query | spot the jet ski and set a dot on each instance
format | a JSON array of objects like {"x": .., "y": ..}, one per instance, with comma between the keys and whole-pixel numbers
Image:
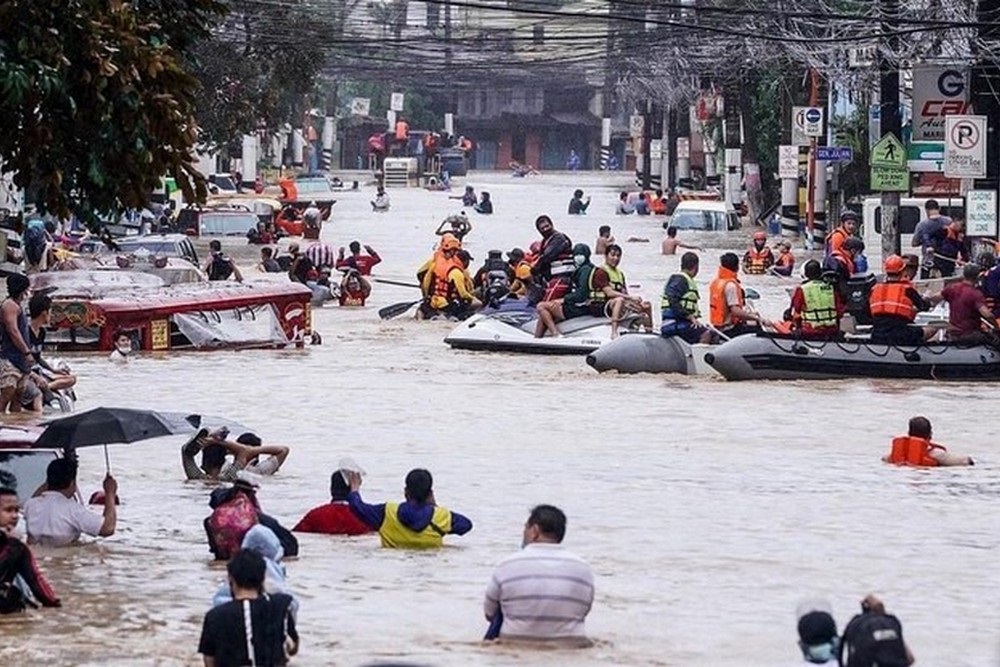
[
  {"x": 651, "y": 353},
  {"x": 514, "y": 331},
  {"x": 767, "y": 357}
]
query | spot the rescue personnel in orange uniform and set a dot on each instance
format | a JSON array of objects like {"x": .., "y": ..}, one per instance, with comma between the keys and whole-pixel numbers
[
  {"x": 848, "y": 228},
  {"x": 916, "y": 448},
  {"x": 758, "y": 258},
  {"x": 784, "y": 264},
  {"x": 894, "y": 305},
  {"x": 727, "y": 302}
]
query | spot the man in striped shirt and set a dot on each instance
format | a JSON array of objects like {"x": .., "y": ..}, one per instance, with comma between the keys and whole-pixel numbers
[{"x": 543, "y": 591}]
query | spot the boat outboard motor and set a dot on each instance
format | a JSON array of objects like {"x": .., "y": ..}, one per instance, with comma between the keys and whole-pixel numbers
[{"x": 857, "y": 292}]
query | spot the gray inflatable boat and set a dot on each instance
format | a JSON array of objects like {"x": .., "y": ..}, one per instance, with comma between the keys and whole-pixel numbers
[
  {"x": 763, "y": 357},
  {"x": 650, "y": 353}
]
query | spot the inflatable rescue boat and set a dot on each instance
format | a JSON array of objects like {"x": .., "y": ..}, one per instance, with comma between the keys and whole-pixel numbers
[
  {"x": 764, "y": 357},
  {"x": 651, "y": 353}
]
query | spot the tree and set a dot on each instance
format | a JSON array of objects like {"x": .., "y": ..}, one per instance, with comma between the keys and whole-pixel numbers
[{"x": 97, "y": 102}]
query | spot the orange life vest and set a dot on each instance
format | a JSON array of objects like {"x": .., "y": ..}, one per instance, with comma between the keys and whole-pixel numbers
[
  {"x": 845, "y": 260},
  {"x": 836, "y": 239},
  {"x": 758, "y": 261},
  {"x": 911, "y": 451},
  {"x": 785, "y": 259},
  {"x": 719, "y": 312},
  {"x": 891, "y": 299}
]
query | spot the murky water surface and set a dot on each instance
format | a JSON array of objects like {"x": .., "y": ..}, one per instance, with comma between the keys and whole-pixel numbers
[{"x": 707, "y": 509}]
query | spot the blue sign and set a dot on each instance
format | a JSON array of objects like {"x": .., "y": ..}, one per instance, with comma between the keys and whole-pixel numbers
[
  {"x": 834, "y": 153},
  {"x": 814, "y": 115}
]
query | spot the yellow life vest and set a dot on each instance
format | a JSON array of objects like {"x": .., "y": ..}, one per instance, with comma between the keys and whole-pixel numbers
[
  {"x": 396, "y": 535},
  {"x": 820, "y": 309},
  {"x": 689, "y": 301},
  {"x": 616, "y": 281}
]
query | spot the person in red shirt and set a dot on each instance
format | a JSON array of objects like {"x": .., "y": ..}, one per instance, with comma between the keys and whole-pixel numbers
[
  {"x": 363, "y": 263},
  {"x": 335, "y": 517},
  {"x": 967, "y": 310}
]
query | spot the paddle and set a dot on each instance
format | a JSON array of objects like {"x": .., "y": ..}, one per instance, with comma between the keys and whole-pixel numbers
[
  {"x": 385, "y": 281},
  {"x": 717, "y": 332},
  {"x": 396, "y": 309}
]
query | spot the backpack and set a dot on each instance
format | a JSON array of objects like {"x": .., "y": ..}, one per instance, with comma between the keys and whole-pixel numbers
[
  {"x": 34, "y": 242},
  {"x": 873, "y": 640},
  {"x": 229, "y": 522},
  {"x": 221, "y": 267}
]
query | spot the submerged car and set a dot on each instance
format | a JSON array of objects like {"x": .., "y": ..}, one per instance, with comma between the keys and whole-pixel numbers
[{"x": 706, "y": 216}]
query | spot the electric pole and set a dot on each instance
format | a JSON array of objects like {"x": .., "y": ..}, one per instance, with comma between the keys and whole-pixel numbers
[{"x": 890, "y": 123}]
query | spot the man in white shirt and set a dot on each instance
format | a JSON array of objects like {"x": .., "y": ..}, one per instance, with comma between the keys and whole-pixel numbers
[
  {"x": 543, "y": 591},
  {"x": 55, "y": 519}
]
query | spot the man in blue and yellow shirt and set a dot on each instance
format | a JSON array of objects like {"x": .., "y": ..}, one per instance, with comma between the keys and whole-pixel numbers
[{"x": 417, "y": 523}]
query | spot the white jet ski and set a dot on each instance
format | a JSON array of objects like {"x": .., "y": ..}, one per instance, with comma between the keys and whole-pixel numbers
[
  {"x": 651, "y": 353},
  {"x": 514, "y": 331}
]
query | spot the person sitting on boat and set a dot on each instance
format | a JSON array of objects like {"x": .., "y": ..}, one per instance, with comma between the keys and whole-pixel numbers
[
  {"x": 950, "y": 248},
  {"x": 848, "y": 228},
  {"x": 758, "y": 258},
  {"x": 381, "y": 202},
  {"x": 575, "y": 303},
  {"x": 839, "y": 266},
  {"x": 816, "y": 305},
  {"x": 493, "y": 279},
  {"x": 679, "y": 304},
  {"x": 268, "y": 264},
  {"x": 968, "y": 314},
  {"x": 363, "y": 263},
  {"x": 468, "y": 197},
  {"x": 246, "y": 451},
  {"x": 916, "y": 449},
  {"x": 354, "y": 288},
  {"x": 604, "y": 239},
  {"x": 45, "y": 377},
  {"x": 608, "y": 286},
  {"x": 456, "y": 225},
  {"x": 447, "y": 285},
  {"x": 417, "y": 523},
  {"x": 485, "y": 205},
  {"x": 989, "y": 282},
  {"x": 784, "y": 263},
  {"x": 220, "y": 266},
  {"x": 334, "y": 517},
  {"x": 894, "y": 305},
  {"x": 728, "y": 312},
  {"x": 577, "y": 206},
  {"x": 289, "y": 191},
  {"x": 554, "y": 265}
]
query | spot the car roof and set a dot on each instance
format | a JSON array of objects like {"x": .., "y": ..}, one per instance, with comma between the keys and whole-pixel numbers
[{"x": 703, "y": 205}]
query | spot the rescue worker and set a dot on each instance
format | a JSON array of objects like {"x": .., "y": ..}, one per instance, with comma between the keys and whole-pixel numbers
[
  {"x": 784, "y": 264},
  {"x": 554, "y": 265},
  {"x": 949, "y": 247},
  {"x": 447, "y": 285},
  {"x": 493, "y": 279},
  {"x": 575, "y": 303},
  {"x": 816, "y": 306},
  {"x": 894, "y": 305},
  {"x": 679, "y": 304},
  {"x": 727, "y": 302},
  {"x": 840, "y": 264},
  {"x": 609, "y": 288},
  {"x": 758, "y": 258},
  {"x": 848, "y": 228},
  {"x": 916, "y": 449}
]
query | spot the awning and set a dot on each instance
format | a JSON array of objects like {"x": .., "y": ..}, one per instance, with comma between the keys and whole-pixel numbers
[{"x": 575, "y": 118}]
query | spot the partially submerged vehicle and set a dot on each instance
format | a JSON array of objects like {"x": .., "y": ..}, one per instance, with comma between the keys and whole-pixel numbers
[
  {"x": 92, "y": 313},
  {"x": 703, "y": 215}
]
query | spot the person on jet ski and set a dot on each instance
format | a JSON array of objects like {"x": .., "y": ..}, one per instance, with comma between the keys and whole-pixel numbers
[
  {"x": 609, "y": 288},
  {"x": 576, "y": 302},
  {"x": 493, "y": 279},
  {"x": 554, "y": 265},
  {"x": 448, "y": 285}
]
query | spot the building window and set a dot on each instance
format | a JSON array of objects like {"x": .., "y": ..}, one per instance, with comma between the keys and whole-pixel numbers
[
  {"x": 483, "y": 101},
  {"x": 433, "y": 16},
  {"x": 538, "y": 34},
  {"x": 505, "y": 97}
]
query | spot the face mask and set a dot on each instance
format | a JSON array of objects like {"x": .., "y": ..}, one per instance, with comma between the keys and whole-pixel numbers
[
  {"x": 580, "y": 260},
  {"x": 820, "y": 653}
]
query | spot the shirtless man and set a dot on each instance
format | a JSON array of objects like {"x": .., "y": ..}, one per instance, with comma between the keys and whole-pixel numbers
[{"x": 671, "y": 244}]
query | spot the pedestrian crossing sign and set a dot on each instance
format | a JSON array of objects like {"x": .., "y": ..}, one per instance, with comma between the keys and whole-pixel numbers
[{"x": 888, "y": 152}]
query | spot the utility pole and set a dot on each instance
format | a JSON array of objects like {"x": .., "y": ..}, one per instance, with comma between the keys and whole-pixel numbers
[
  {"x": 984, "y": 81},
  {"x": 890, "y": 124},
  {"x": 647, "y": 135}
]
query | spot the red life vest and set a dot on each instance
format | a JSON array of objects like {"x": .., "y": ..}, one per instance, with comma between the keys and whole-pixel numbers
[
  {"x": 912, "y": 451},
  {"x": 891, "y": 299},
  {"x": 758, "y": 261},
  {"x": 845, "y": 260}
]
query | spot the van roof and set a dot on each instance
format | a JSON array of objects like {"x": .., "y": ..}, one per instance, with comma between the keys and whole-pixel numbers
[{"x": 704, "y": 205}]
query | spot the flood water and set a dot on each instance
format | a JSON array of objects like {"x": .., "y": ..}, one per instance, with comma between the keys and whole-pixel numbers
[{"x": 707, "y": 509}]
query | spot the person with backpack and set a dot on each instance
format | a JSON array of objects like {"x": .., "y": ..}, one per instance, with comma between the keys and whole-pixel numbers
[
  {"x": 219, "y": 266},
  {"x": 235, "y": 510},
  {"x": 873, "y": 638}
]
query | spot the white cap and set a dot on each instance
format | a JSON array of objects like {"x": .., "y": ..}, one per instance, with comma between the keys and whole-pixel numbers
[{"x": 348, "y": 464}]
